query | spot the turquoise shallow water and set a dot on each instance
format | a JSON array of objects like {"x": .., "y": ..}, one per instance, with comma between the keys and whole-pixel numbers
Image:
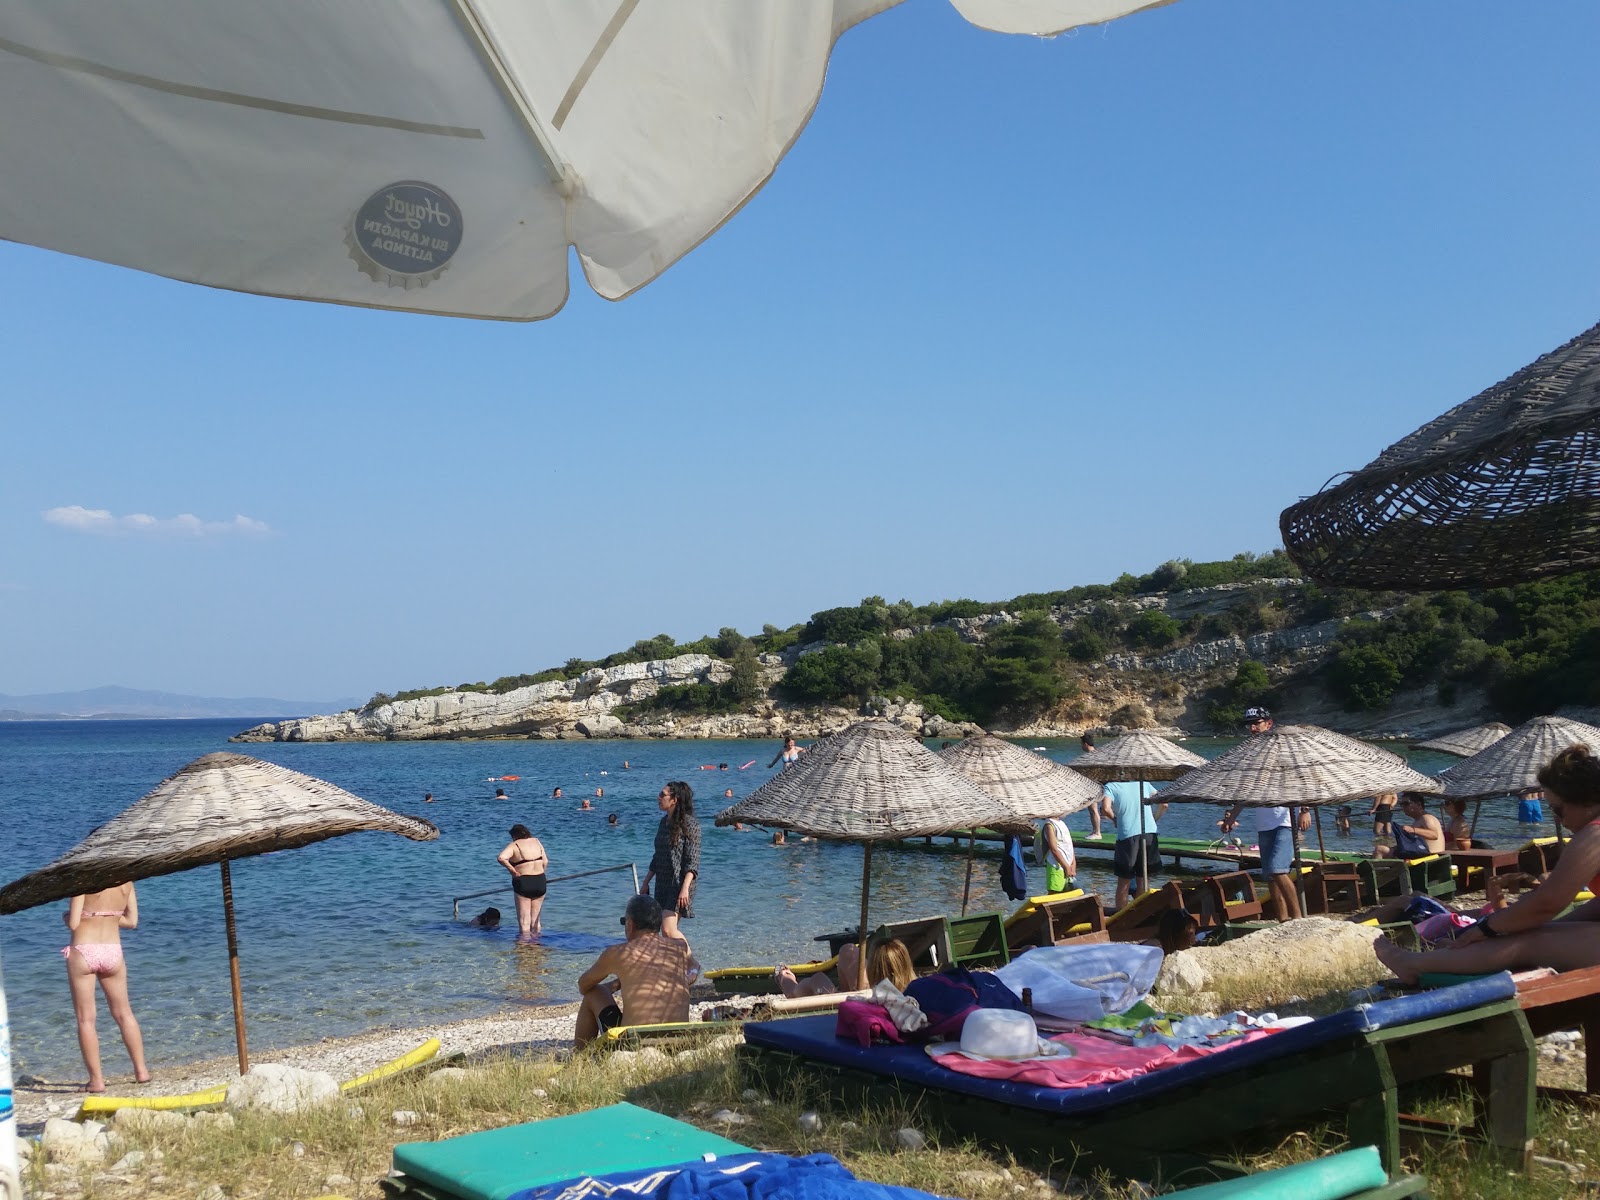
[{"x": 355, "y": 933}]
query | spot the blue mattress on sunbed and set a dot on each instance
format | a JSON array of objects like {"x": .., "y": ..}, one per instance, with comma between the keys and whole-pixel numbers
[{"x": 814, "y": 1038}]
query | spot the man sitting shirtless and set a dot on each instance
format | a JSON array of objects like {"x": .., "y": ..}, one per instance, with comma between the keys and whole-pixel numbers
[{"x": 650, "y": 972}]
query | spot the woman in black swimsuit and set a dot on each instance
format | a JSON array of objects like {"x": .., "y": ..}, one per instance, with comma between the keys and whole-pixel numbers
[{"x": 526, "y": 860}]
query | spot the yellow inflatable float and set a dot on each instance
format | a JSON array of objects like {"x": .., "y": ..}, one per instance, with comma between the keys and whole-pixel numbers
[{"x": 213, "y": 1097}]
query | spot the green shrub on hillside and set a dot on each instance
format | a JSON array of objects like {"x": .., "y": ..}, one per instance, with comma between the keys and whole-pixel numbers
[{"x": 1153, "y": 629}]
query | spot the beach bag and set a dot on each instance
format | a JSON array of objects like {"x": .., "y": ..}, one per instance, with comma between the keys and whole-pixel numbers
[{"x": 946, "y": 999}]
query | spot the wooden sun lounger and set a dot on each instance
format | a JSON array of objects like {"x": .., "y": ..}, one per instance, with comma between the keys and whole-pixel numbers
[
  {"x": 1214, "y": 900},
  {"x": 1056, "y": 922},
  {"x": 1570, "y": 1000},
  {"x": 1355, "y": 1063}
]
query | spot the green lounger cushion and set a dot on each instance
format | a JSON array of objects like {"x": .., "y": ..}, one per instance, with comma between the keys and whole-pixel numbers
[
  {"x": 499, "y": 1162},
  {"x": 1329, "y": 1178}
]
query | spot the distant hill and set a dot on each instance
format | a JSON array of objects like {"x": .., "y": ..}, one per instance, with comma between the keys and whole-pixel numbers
[{"x": 107, "y": 703}]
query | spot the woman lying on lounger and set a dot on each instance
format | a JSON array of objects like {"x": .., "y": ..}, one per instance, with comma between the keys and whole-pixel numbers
[
  {"x": 885, "y": 960},
  {"x": 1529, "y": 933}
]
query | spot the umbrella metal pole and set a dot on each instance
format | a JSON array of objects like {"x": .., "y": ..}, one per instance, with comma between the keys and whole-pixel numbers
[
  {"x": 866, "y": 885},
  {"x": 233, "y": 968},
  {"x": 966, "y": 888}
]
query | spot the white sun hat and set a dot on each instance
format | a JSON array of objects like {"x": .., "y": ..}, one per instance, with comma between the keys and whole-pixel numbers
[{"x": 1003, "y": 1033}]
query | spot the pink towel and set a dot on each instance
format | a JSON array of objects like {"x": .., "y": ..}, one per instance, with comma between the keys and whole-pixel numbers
[
  {"x": 1093, "y": 1060},
  {"x": 866, "y": 1022}
]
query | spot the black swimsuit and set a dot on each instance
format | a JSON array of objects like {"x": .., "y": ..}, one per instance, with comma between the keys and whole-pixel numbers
[{"x": 529, "y": 886}]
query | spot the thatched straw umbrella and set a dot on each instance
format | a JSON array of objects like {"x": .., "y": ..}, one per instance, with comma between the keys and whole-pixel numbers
[
  {"x": 1299, "y": 765},
  {"x": 1141, "y": 758},
  {"x": 869, "y": 783},
  {"x": 1464, "y": 743},
  {"x": 1032, "y": 786},
  {"x": 1499, "y": 490},
  {"x": 1514, "y": 762},
  {"x": 218, "y": 808}
]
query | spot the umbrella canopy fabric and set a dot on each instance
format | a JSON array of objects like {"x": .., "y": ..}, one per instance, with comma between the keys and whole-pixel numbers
[
  {"x": 1497, "y": 491},
  {"x": 1142, "y": 756},
  {"x": 1464, "y": 743},
  {"x": 870, "y": 782},
  {"x": 219, "y": 807},
  {"x": 1298, "y": 764},
  {"x": 433, "y": 156},
  {"x": 1514, "y": 762},
  {"x": 1032, "y": 786}
]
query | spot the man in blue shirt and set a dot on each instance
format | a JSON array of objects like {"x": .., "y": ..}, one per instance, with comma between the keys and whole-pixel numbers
[{"x": 1136, "y": 831}]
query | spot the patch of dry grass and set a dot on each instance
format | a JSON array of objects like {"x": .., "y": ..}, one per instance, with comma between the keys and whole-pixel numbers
[{"x": 302, "y": 1156}]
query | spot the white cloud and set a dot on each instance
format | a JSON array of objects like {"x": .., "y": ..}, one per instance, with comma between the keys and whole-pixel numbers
[{"x": 101, "y": 521}]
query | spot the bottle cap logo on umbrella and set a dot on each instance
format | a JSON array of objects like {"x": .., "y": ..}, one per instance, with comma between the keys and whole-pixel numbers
[{"x": 406, "y": 234}]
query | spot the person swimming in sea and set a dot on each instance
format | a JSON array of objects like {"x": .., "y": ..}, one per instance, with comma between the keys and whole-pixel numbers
[{"x": 489, "y": 918}]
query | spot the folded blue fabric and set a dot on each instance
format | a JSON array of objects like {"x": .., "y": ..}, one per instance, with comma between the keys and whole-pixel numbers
[{"x": 731, "y": 1177}]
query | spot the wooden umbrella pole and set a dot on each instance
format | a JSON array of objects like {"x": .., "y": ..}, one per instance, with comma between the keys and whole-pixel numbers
[
  {"x": 1299, "y": 880},
  {"x": 233, "y": 968},
  {"x": 1144, "y": 862},
  {"x": 1322, "y": 852},
  {"x": 866, "y": 887},
  {"x": 1477, "y": 811},
  {"x": 966, "y": 888}
]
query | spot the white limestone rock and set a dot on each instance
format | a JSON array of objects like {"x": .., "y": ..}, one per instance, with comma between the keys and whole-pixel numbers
[{"x": 277, "y": 1088}]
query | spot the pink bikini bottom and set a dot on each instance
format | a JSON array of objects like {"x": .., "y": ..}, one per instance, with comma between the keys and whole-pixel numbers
[{"x": 102, "y": 958}]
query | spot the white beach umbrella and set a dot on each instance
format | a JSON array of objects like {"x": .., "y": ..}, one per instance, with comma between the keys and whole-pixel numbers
[{"x": 436, "y": 156}]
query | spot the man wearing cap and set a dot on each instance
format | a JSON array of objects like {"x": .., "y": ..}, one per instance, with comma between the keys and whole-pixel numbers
[
  {"x": 1124, "y": 803},
  {"x": 1274, "y": 834},
  {"x": 649, "y": 972}
]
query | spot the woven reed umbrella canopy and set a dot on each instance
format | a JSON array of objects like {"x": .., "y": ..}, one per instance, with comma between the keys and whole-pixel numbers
[
  {"x": 1299, "y": 765},
  {"x": 1137, "y": 757},
  {"x": 868, "y": 783},
  {"x": 1464, "y": 743},
  {"x": 1514, "y": 762},
  {"x": 218, "y": 808},
  {"x": 1142, "y": 756},
  {"x": 1031, "y": 785},
  {"x": 1499, "y": 490}
]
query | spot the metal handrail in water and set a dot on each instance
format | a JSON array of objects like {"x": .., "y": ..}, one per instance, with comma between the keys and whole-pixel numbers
[{"x": 455, "y": 904}]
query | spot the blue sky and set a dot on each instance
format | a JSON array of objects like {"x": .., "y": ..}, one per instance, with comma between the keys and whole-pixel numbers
[{"x": 1015, "y": 314}]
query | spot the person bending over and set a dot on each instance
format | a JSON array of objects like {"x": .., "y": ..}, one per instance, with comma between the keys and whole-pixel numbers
[
  {"x": 648, "y": 974},
  {"x": 1530, "y": 933}
]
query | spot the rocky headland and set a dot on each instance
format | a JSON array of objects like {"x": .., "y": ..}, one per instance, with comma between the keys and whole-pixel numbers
[{"x": 1164, "y": 690}]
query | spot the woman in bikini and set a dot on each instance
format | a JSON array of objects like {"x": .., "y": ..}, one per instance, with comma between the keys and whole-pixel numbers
[
  {"x": 525, "y": 858},
  {"x": 1531, "y": 933},
  {"x": 97, "y": 921}
]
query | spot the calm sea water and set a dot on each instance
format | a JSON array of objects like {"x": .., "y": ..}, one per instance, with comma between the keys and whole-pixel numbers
[{"x": 356, "y": 933}]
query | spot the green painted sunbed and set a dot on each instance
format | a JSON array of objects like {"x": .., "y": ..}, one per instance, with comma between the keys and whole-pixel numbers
[{"x": 498, "y": 1163}]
